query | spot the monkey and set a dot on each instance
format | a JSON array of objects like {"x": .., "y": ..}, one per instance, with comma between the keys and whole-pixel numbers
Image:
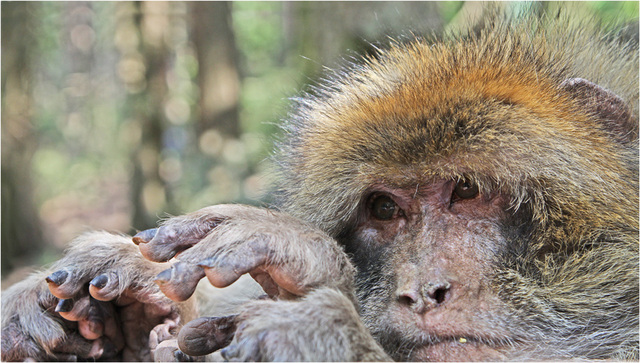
[{"x": 475, "y": 198}]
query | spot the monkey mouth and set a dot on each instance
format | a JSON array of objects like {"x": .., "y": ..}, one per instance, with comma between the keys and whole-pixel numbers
[
  {"x": 445, "y": 337},
  {"x": 463, "y": 339},
  {"x": 458, "y": 348}
]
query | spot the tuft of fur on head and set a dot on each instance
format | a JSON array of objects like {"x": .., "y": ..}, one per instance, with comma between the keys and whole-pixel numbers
[
  {"x": 488, "y": 106},
  {"x": 447, "y": 109}
]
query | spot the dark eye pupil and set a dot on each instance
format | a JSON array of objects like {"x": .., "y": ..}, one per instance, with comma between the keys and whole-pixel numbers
[
  {"x": 383, "y": 208},
  {"x": 465, "y": 189}
]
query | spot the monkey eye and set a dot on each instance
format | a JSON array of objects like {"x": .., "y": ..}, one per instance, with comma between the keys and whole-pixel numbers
[
  {"x": 383, "y": 207},
  {"x": 465, "y": 190}
]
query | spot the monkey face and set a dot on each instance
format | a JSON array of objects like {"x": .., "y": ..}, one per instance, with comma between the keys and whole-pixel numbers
[{"x": 432, "y": 247}]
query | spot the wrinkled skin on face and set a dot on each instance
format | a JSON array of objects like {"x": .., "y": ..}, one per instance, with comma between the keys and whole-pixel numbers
[{"x": 426, "y": 270}]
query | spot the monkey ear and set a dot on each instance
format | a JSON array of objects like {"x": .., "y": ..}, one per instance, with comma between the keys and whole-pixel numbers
[{"x": 613, "y": 112}]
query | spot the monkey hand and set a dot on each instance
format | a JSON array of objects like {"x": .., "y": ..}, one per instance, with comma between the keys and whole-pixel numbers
[
  {"x": 287, "y": 257},
  {"x": 322, "y": 326},
  {"x": 98, "y": 302}
]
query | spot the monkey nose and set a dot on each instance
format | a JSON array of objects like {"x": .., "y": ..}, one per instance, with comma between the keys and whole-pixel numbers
[{"x": 425, "y": 297}]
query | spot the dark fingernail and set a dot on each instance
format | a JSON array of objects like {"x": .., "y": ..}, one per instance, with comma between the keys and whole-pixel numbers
[
  {"x": 100, "y": 281},
  {"x": 64, "y": 306},
  {"x": 164, "y": 276},
  {"x": 58, "y": 277},
  {"x": 145, "y": 236},
  {"x": 181, "y": 357}
]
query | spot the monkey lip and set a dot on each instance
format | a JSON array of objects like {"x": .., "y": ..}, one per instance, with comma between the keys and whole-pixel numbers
[
  {"x": 457, "y": 348},
  {"x": 461, "y": 340},
  {"x": 451, "y": 328},
  {"x": 451, "y": 333}
]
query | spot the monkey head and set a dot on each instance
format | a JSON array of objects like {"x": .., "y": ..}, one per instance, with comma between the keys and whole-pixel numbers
[{"x": 487, "y": 195}]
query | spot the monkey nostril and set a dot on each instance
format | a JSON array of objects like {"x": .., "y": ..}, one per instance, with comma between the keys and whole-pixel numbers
[
  {"x": 408, "y": 298},
  {"x": 440, "y": 295},
  {"x": 412, "y": 300},
  {"x": 437, "y": 293}
]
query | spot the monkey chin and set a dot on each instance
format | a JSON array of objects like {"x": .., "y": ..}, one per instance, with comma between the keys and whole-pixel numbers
[{"x": 457, "y": 350}]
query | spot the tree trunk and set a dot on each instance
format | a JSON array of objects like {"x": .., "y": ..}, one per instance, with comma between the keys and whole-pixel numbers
[
  {"x": 150, "y": 194},
  {"x": 218, "y": 75},
  {"x": 22, "y": 237}
]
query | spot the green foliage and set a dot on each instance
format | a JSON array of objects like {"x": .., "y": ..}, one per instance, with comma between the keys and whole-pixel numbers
[
  {"x": 258, "y": 30},
  {"x": 615, "y": 11},
  {"x": 449, "y": 9}
]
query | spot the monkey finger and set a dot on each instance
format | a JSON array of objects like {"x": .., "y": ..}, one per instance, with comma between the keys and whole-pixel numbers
[
  {"x": 144, "y": 236},
  {"x": 78, "y": 346},
  {"x": 73, "y": 309},
  {"x": 284, "y": 288},
  {"x": 266, "y": 282},
  {"x": 289, "y": 283},
  {"x": 92, "y": 326},
  {"x": 63, "y": 284},
  {"x": 157, "y": 252},
  {"x": 205, "y": 335},
  {"x": 163, "y": 243},
  {"x": 112, "y": 328},
  {"x": 225, "y": 268},
  {"x": 166, "y": 351},
  {"x": 90, "y": 329},
  {"x": 179, "y": 282},
  {"x": 162, "y": 332},
  {"x": 105, "y": 287}
]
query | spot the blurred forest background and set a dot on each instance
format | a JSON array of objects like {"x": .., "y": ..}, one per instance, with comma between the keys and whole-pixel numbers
[{"x": 116, "y": 114}]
